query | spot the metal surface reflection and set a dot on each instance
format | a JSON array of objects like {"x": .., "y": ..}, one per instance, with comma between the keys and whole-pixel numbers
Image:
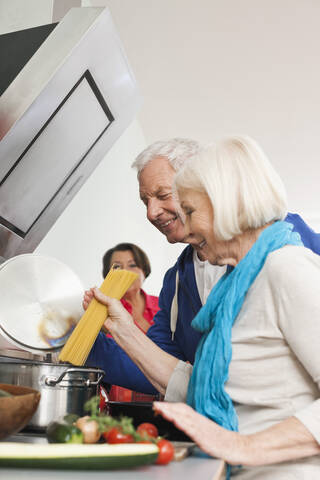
[{"x": 40, "y": 302}]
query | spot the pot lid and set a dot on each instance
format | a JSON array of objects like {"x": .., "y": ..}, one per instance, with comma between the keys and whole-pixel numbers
[{"x": 41, "y": 302}]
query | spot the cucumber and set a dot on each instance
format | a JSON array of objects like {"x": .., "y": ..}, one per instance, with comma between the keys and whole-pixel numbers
[
  {"x": 58, "y": 432},
  {"x": 76, "y": 457}
]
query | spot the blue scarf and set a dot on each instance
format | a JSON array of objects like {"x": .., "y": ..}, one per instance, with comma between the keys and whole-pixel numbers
[{"x": 206, "y": 393}]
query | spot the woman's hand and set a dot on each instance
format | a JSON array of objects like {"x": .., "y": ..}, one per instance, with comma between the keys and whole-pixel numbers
[
  {"x": 210, "y": 437},
  {"x": 87, "y": 297},
  {"x": 284, "y": 441},
  {"x": 118, "y": 319}
]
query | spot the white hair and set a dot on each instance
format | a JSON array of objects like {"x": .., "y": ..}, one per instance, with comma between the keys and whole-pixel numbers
[
  {"x": 176, "y": 150},
  {"x": 244, "y": 189}
]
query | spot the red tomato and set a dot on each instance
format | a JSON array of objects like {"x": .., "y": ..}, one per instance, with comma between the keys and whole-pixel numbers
[
  {"x": 166, "y": 452},
  {"x": 115, "y": 435},
  {"x": 147, "y": 429}
]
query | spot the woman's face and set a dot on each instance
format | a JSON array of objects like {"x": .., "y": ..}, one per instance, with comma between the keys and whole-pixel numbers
[
  {"x": 125, "y": 260},
  {"x": 199, "y": 224}
]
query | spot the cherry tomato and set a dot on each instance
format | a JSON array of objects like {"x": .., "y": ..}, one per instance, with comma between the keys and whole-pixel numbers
[
  {"x": 166, "y": 452},
  {"x": 147, "y": 429},
  {"x": 115, "y": 435}
]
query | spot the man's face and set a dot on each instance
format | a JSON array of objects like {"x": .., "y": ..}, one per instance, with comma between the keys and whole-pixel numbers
[{"x": 155, "y": 183}]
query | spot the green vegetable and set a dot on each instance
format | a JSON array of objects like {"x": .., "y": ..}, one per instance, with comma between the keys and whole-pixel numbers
[
  {"x": 58, "y": 432},
  {"x": 79, "y": 457},
  {"x": 70, "y": 418},
  {"x": 106, "y": 422},
  {"x": 3, "y": 393},
  {"x": 92, "y": 406}
]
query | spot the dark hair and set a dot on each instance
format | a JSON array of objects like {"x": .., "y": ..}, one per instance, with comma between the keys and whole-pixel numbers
[{"x": 139, "y": 256}]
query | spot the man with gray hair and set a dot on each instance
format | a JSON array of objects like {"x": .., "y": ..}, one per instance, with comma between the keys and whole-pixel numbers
[
  {"x": 186, "y": 285},
  {"x": 156, "y": 167}
]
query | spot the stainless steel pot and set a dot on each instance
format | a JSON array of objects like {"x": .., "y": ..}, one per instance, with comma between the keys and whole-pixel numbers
[
  {"x": 64, "y": 388},
  {"x": 40, "y": 304}
]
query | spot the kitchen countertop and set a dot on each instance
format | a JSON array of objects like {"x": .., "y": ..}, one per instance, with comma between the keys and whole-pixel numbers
[
  {"x": 193, "y": 467},
  {"x": 187, "y": 469}
]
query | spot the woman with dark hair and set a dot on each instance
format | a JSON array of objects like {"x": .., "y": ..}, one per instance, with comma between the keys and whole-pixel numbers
[
  {"x": 139, "y": 304},
  {"x": 136, "y": 301}
]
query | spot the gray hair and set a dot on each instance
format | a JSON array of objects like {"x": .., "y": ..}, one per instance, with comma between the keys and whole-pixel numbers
[
  {"x": 176, "y": 150},
  {"x": 244, "y": 189}
]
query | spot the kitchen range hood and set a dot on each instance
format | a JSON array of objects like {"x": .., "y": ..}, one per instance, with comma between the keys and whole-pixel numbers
[{"x": 59, "y": 117}]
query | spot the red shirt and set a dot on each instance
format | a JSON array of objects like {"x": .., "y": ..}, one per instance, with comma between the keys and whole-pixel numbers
[
  {"x": 151, "y": 307},
  {"x": 122, "y": 394}
]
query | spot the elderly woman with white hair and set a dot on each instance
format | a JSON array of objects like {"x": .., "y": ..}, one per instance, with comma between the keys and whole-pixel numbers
[
  {"x": 253, "y": 391},
  {"x": 257, "y": 368}
]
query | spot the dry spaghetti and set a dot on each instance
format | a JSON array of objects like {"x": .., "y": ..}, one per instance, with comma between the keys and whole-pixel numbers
[{"x": 80, "y": 342}]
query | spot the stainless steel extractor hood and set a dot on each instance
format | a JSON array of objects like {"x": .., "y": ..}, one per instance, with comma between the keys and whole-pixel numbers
[{"x": 58, "y": 118}]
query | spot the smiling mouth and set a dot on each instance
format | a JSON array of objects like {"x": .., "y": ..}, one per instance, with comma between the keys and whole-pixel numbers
[
  {"x": 202, "y": 244},
  {"x": 163, "y": 225}
]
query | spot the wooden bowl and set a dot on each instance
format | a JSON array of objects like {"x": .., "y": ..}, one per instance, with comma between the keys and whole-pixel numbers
[{"x": 16, "y": 410}]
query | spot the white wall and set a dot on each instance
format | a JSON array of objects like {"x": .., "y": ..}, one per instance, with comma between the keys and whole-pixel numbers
[
  {"x": 19, "y": 14},
  {"x": 106, "y": 211},
  {"x": 205, "y": 68},
  {"x": 209, "y": 68}
]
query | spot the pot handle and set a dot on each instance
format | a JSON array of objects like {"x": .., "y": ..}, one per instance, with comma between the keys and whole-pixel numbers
[{"x": 53, "y": 381}]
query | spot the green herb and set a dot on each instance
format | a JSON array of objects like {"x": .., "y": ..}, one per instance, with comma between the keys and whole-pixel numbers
[
  {"x": 70, "y": 418},
  {"x": 92, "y": 406},
  {"x": 106, "y": 422}
]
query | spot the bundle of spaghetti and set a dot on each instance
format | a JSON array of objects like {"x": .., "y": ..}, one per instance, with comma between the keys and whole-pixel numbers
[{"x": 80, "y": 342}]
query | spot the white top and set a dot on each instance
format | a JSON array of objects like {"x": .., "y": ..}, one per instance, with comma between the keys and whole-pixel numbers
[
  {"x": 275, "y": 367},
  {"x": 207, "y": 276}
]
